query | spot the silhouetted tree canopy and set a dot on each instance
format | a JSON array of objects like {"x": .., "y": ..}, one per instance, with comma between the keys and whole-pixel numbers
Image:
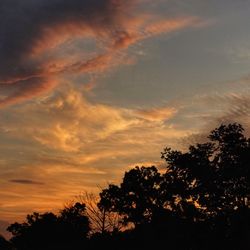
[
  {"x": 199, "y": 202},
  {"x": 50, "y": 231},
  {"x": 137, "y": 197},
  {"x": 214, "y": 175},
  {"x": 209, "y": 179},
  {"x": 202, "y": 193}
]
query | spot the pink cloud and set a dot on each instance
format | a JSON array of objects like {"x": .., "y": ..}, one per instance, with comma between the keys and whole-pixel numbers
[{"x": 31, "y": 68}]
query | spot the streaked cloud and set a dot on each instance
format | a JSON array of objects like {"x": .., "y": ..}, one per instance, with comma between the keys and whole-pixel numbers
[
  {"x": 73, "y": 145},
  {"x": 156, "y": 114},
  {"x": 26, "y": 182},
  {"x": 92, "y": 143},
  {"x": 38, "y": 46}
]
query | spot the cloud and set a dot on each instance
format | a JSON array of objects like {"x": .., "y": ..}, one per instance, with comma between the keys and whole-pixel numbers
[
  {"x": 156, "y": 114},
  {"x": 39, "y": 40},
  {"x": 26, "y": 182},
  {"x": 74, "y": 144},
  {"x": 63, "y": 141},
  {"x": 228, "y": 102},
  {"x": 30, "y": 28},
  {"x": 26, "y": 89},
  {"x": 66, "y": 121},
  {"x": 238, "y": 110},
  {"x": 71, "y": 144}
]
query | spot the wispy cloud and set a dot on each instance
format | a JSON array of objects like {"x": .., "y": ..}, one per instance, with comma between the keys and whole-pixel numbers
[
  {"x": 228, "y": 102},
  {"x": 156, "y": 114},
  {"x": 63, "y": 142},
  {"x": 72, "y": 145},
  {"x": 37, "y": 44},
  {"x": 67, "y": 121}
]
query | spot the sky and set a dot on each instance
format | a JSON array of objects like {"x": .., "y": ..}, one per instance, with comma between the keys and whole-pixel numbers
[{"x": 92, "y": 88}]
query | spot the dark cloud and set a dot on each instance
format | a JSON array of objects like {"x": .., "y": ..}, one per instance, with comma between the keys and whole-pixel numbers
[
  {"x": 27, "y": 182},
  {"x": 24, "y": 24},
  {"x": 25, "y": 89},
  {"x": 33, "y": 31},
  {"x": 29, "y": 27}
]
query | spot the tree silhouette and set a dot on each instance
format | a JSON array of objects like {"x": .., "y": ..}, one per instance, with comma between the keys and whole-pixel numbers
[
  {"x": 74, "y": 224},
  {"x": 213, "y": 176},
  {"x": 200, "y": 202},
  {"x": 137, "y": 197},
  {"x": 4, "y": 244},
  {"x": 49, "y": 231},
  {"x": 196, "y": 203},
  {"x": 101, "y": 220}
]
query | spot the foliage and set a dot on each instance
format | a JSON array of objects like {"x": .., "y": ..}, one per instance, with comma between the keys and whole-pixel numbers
[
  {"x": 137, "y": 197},
  {"x": 200, "y": 202},
  {"x": 215, "y": 175},
  {"x": 49, "y": 231}
]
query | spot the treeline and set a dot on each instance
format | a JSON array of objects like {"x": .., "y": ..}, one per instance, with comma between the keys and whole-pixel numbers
[{"x": 200, "y": 201}]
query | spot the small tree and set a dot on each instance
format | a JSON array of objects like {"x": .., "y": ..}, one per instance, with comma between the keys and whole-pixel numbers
[
  {"x": 101, "y": 219},
  {"x": 74, "y": 221}
]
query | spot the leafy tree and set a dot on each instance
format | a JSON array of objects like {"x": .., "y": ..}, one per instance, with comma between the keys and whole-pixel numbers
[
  {"x": 209, "y": 179},
  {"x": 74, "y": 219},
  {"x": 74, "y": 225},
  {"x": 49, "y": 231},
  {"x": 137, "y": 197},
  {"x": 37, "y": 230},
  {"x": 213, "y": 176}
]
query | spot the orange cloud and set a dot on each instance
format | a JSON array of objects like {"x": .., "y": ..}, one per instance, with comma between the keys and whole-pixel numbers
[
  {"x": 170, "y": 25},
  {"x": 44, "y": 54},
  {"x": 70, "y": 144},
  {"x": 26, "y": 89},
  {"x": 156, "y": 114}
]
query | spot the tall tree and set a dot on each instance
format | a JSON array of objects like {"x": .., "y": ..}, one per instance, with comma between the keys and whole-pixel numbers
[
  {"x": 137, "y": 197},
  {"x": 214, "y": 176},
  {"x": 209, "y": 179}
]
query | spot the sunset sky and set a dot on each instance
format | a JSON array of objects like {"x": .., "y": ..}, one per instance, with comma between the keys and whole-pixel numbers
[{"x": 91, "y": 88}]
